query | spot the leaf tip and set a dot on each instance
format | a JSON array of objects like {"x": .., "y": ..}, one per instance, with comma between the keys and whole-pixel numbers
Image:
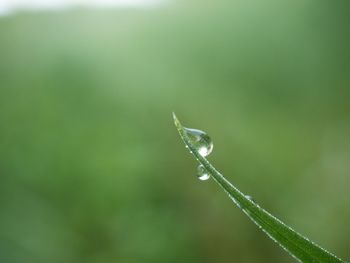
[{"x": 176, "y": 121}]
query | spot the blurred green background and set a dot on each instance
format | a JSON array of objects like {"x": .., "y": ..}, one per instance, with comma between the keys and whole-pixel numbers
[{"x": 92, "y": 168}]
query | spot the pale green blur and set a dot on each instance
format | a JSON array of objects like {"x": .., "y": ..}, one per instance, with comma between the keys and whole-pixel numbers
[{"x": 92, "y": 169}]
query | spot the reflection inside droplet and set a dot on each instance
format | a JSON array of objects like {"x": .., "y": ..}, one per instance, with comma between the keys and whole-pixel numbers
[{"x": 200, "y": 140}]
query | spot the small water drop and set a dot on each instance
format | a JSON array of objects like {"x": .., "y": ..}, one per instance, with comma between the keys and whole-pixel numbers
[
  {"x": 202, "y": 173},
  {"x": 200, "y": 140},
  {"x": 250, "y": 198}
]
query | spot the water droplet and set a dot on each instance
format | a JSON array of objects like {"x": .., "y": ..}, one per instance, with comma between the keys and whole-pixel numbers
[
  {"x": 250, "y": 198},
  {"x": 202, "y": 173},
  {"x": 200, "y": 140}
]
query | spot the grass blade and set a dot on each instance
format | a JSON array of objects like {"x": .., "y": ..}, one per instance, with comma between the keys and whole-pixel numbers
[{"x": 294, "y": 243}]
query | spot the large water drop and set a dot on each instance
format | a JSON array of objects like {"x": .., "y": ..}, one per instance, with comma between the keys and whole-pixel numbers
[
  {"x": 202, "y": 173},
  {"x": 200, "y": 140}
]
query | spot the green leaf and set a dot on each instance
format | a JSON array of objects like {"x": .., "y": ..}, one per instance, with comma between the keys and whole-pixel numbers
[{"x": 294, "y": 243}]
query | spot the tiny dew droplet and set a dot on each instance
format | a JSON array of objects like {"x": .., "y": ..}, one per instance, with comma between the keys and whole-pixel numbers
[
  {"x": 202, "y": 173},
  {"x": 250, "y": 198},
  {"x": 200, "y": 140}
]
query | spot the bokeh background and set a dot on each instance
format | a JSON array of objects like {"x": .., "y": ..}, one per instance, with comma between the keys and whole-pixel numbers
[{"x": 93, "y": 170}]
